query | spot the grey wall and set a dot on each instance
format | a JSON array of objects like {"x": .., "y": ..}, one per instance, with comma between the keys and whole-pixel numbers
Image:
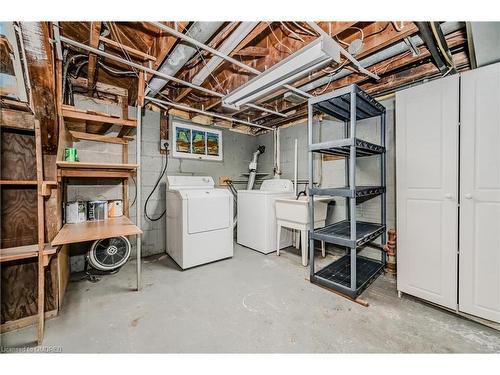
[
  {"x": 238, "y": 149},
  {"x": 332, "y": 172},
  {"x": 237, "y": 153}
]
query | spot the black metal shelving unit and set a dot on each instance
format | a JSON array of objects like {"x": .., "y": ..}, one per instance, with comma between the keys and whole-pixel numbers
[{"x": 351, "y": 273}]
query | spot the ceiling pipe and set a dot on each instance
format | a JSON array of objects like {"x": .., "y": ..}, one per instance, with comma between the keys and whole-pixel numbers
[
  {"x": 137, "y": 66},
  {"x": 443, "y": 46},
  {"x": 182, "y": 53},
  {"x": 347, "y": 55},
  {"x": 387, "y": 53},
  {"x": 155, "y": 72},
  {"x": 227, "y": 47},
  {"x": 427, "y": 37},
  {"x": 218, "y": 53},
  {"x": 164, "y": 104}
]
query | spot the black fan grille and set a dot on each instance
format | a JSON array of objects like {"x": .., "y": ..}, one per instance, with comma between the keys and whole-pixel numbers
[{"x": 110, "y": 251}]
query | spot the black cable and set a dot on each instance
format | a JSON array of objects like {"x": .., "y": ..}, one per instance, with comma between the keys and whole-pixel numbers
[
  {"x": 135, "y": 195},
  {"x": 156, "y": 185}
]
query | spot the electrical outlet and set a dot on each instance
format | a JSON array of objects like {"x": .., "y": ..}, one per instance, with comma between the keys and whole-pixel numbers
[
  {"x": 222, "y": 180},
  {"x": 164, "y": 146}
]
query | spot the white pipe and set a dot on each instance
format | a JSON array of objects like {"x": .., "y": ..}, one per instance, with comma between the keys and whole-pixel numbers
[
  {"x": 138, "y": 205},
  {"x": 295, "y": 167},
  {"x": 182, "y": 53},
  {"x": 266, "y": 110},
  {"x": 138, "y": 66},
  {"x": 277, "y": 173},
  {"x": 162, "y": 75},
  {"x": 220, "y": 54},
  {"x": 349, "y": 57},
  {"x": 163, "y": 103},
  {"x": 253, "y": 169}
]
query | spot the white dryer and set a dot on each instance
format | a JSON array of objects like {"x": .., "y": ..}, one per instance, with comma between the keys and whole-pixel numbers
[
  {"x": 257, "y": 216},
  {"x": 199, "y": 221}
]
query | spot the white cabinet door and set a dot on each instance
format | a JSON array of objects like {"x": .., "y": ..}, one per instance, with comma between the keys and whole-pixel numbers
[
  {"x": 427, "y": 190},
  {"x": 479, "y": 264}
]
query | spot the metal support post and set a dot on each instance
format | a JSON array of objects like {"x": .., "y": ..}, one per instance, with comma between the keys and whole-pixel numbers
[
  {"x": 352, "y": 186},
  {"x": 383, "y": 197},
  {"x": 311, "y": 181},
  {"x": 138, "y": 187}
]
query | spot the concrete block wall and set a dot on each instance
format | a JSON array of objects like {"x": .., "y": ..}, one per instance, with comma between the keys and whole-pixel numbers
[
  {"x": 237, "y": 149},
  {"x": 331, "y": 173}
]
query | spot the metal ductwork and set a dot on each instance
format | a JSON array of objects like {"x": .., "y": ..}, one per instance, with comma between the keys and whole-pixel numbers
[
  {"x": 227, "y": 47},
  {"x": 182, "y": 53},
  {"x": 394, "y": 50}
]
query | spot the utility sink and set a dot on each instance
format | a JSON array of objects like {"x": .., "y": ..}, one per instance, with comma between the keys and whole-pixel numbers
[
  {"x": 297, "y": 210},
  {"x": 294, "y": 213}
]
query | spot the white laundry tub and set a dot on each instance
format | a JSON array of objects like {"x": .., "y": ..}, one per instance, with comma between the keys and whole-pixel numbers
[
  {"x": 294, "y": 213},
  {"x": 297, "y": 210}
]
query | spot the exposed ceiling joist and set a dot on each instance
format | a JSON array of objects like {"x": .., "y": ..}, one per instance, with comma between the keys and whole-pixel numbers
[{"x": 95, "y": 32}]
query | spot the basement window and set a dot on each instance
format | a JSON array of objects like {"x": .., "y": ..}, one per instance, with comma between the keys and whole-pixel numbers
[
  {"x": 12, "y": 83},
  {"x": 196, "y": 142}
]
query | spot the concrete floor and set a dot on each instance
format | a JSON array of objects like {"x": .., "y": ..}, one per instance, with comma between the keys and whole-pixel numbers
[{"x": 250, "y": 303}]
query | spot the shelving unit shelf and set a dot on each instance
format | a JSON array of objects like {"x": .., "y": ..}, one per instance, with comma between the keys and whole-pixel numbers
[
  {"x": 343, "y": 148},
  {"x": 358, "y": 192},
  {"x": 94, "y": 230},
  {"x": 351, "y": 273},
  {"x": 73, "y": 113},
  {"x": 93, "y": 170},
  {"x": 25, "y": 252},
  {"x": 339, "y": 233}
]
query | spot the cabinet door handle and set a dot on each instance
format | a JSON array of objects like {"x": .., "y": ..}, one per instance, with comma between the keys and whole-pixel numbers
[
  {"x": 468, "y": 196},
  {"x": 448, "y": 196}
]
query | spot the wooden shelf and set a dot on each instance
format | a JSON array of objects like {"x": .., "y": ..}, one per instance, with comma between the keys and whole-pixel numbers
[
  {"x": 94, "y": 230},
  {"x": 98, "y": 137},
  {"x": 93, "y": 170},
  {"x": 24, "y": 252},
  {"x": 85, "y": 165},
  {"x": 82, "y": 115},
  {"x": 13, "y": 119},
  {"x": 18, "y": 182}
]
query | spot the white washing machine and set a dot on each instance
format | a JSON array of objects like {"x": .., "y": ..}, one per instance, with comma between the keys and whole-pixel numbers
[
  {"x": 199, "y": 221},
  {"x": 257, "y": 216}
]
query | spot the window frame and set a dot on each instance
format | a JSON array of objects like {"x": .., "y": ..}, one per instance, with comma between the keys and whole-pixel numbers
[{"x": 176, "y": 123}]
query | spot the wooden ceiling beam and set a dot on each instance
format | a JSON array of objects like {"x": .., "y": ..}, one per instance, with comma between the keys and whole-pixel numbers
[
  {"x": 118, "y": 46},
  {"x": 164, "y": 42},
  {"x": 378, "y": 35},
  {"x": 398, "y": 78},
  {"x": 253, "y": 52},
  {"x": 249, "y": 38},
  {"x": 95, "y": 32},
  {"x": 333, "y": 28},
  {"x": 40, "y": 63}
]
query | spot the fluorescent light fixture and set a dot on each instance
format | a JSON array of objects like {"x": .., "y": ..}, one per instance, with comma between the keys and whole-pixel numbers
[{"x": 316, "y": 54}]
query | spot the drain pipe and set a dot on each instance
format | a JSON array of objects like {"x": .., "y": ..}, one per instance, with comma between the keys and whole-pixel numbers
[
  {"x": 295, "y": 167},
  {"x": 277, "y": 150},
  {"x": 253, "y": 167}
]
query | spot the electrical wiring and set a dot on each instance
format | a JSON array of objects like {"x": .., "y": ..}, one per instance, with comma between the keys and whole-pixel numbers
[
  {"x": 279, "y": 41},
  {"x": 117, "y": 35},
  {"x": 205, "y": 64},
  {"x": 116, "y": 71},
  {"x": 304, "y": 29},
  {"x": 154, "y": 188},
  {"x": 443, "y": 50},
  {"x": 352, "y": 28},
  {"x": 293, "y": 32},
  {"x": 315, "y": 93},
  {"x": 398, "y": 28}
]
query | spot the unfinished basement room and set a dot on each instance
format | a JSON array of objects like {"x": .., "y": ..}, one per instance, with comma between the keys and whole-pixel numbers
[{"x": 301, "y": 184}]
